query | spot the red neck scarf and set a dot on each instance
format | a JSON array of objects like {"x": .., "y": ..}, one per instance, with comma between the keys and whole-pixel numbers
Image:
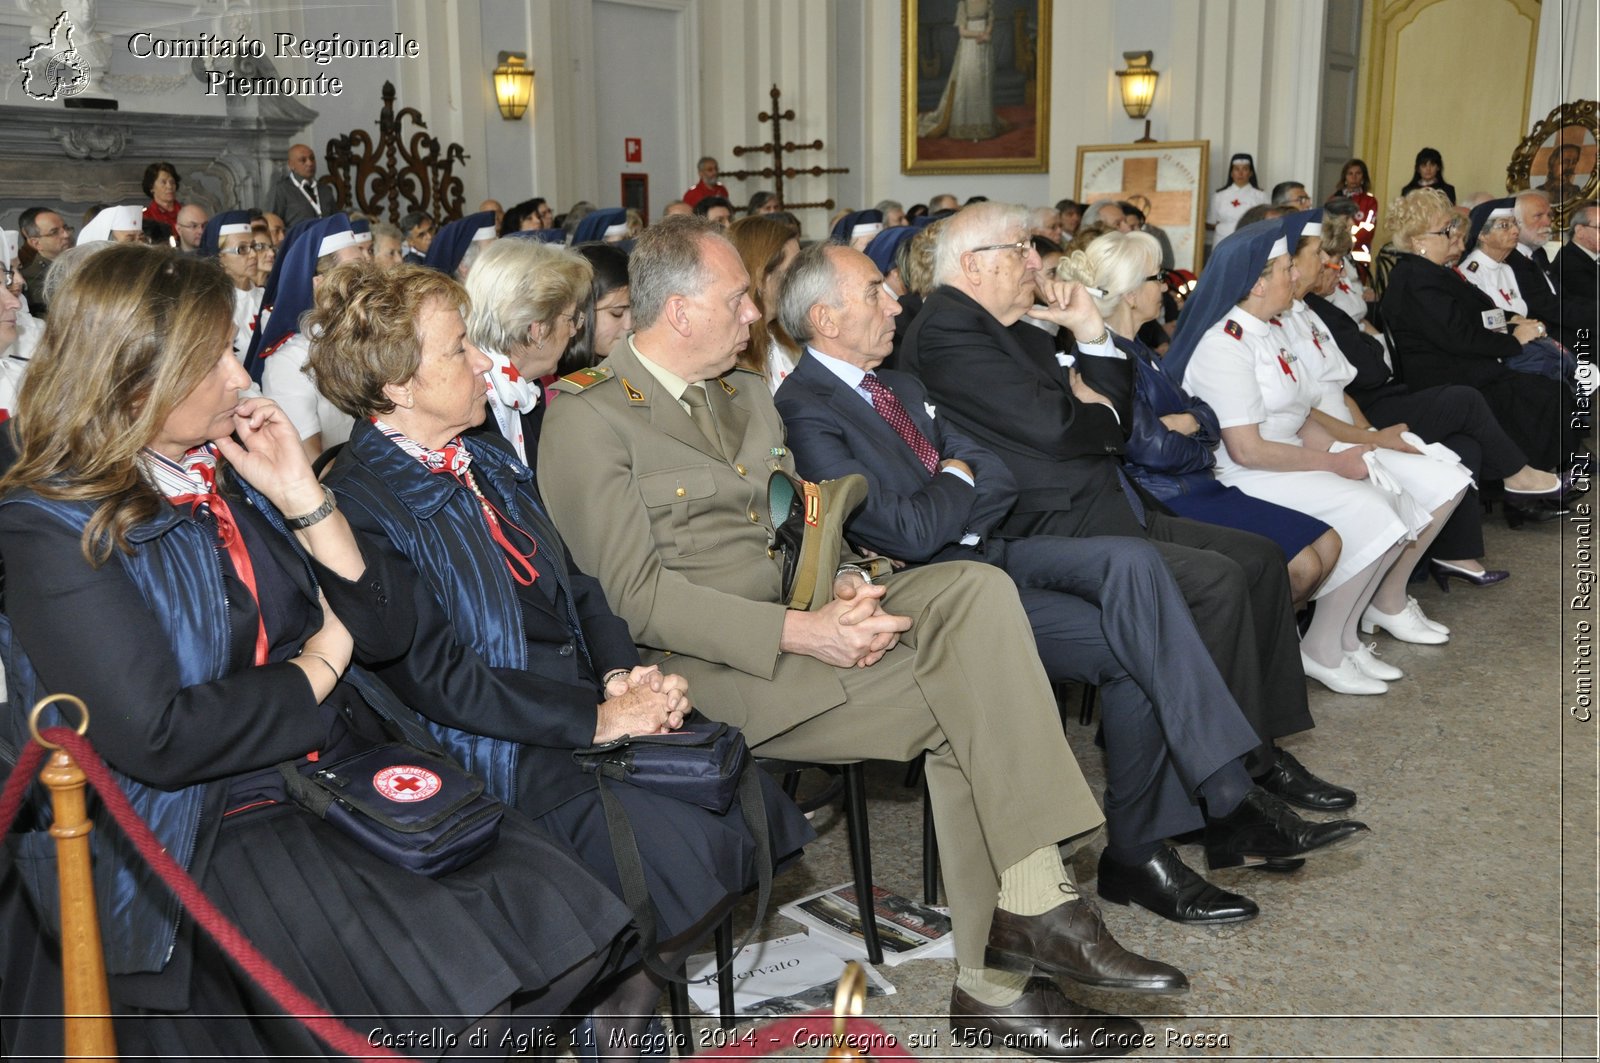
[
  {"x": 193, "y": 483},
  {"x": 455, "y": 461}
]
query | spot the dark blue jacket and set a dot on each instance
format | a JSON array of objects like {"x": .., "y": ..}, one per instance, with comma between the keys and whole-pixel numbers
[
  {"x": 174, "y": 568},
  {"x": 503, "y": 679},
  {"x": 1164, "y": 462}
]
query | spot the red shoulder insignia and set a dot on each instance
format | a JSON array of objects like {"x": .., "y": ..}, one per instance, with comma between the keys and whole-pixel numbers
[
  {"x": 1234, "y": 329},
  {"x": 1472, "y": 267}
]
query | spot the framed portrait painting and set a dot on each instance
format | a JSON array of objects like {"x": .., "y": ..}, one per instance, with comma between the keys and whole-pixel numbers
[
  {"x": 975, "y": 88},
  {"x": 1165, "y": 180}
]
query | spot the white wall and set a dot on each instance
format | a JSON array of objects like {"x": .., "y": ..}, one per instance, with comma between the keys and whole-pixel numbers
[
  {"x": 1243, "y": 74},
  {"x": 1568, "y": 64}
]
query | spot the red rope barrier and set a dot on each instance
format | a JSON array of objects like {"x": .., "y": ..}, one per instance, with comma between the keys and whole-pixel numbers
[{"x": 261, "y": 970}]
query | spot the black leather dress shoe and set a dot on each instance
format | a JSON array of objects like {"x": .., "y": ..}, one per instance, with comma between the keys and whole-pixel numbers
[
  {"x": 1292, "y": 781},
  {"x": 1042, "y": 1022},
  {"x": 1170, "y": 888},
  {"x": 1263, "y": 828},
  {"x": 1071, "y": 940}
]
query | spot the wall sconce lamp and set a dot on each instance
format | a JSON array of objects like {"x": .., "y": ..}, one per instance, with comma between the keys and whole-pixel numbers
[
  {"x": 513, "y": 85},
  {"x": 1138, "y": 83}
]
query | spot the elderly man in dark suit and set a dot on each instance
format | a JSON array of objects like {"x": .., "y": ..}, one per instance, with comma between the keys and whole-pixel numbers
[
  {"x": 655, "y": 467},
  {"x": 999, "y": 381},
  {"x": 1103, "y": 609}
]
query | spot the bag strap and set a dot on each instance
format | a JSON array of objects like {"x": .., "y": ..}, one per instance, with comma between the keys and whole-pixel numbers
[{"x": 630, "y": 870}]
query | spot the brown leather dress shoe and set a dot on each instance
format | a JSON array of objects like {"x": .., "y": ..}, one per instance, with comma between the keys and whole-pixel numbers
[
  {"x": 1042, "y": 1022},
  {"x": 1071, "y": 940}
]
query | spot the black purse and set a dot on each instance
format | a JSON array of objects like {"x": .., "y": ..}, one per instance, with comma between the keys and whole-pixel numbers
[
  {"x": 412, "y": 808},
  {"x": 706, "y": 764}
]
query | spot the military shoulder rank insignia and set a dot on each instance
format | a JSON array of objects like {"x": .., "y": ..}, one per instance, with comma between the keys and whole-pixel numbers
[
  {"x": 634, "y": 394},
  {"x": 1472, "y": 267},
  {"x": 1234, "y": 329},
  {"x": 583, "y": 380},
  {"x": 729, "y": 388}
]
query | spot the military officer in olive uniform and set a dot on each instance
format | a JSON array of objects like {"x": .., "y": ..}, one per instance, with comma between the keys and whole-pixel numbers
[{"x": 655, "y": 467}]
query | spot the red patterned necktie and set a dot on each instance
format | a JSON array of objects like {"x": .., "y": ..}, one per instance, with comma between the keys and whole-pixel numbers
[
  {"x": 200, "y": 466},
  {"x": 889, "y": 408}
]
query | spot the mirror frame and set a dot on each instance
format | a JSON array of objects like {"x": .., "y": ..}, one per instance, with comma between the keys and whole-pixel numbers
[{"x": 1519, "y": 173}]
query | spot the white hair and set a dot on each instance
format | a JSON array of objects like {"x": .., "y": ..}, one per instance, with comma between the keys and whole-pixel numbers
[
  {"x": 1520, "y": 212},
  {"x": 978, "y": 225},
  {"x": 1115, "y": 262}
]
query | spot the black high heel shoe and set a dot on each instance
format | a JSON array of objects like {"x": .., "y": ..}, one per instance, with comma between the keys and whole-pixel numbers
[
  {"x": 1443, "y": 573},
  {"x": 1538, "y": 513}
]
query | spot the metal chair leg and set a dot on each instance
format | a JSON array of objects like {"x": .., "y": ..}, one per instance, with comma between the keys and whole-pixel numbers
[
  {"x": 930, "y": 850},
  {"x": 722, "y": 939},
  {"x": 855, "y": 810},
  {"x": 682, "y": 1030},
  {"x": 1086, "y": 706}
]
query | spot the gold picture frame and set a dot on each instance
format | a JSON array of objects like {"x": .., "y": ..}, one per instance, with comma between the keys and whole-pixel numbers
[
  {"x": 1002, "y": 123},
  {"x": 1573, "y": 125},
  {"x": 1169, "y": 175}
]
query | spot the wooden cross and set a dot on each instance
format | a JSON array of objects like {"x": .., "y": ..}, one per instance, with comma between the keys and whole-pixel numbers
[{"x": 776, "y": 147}]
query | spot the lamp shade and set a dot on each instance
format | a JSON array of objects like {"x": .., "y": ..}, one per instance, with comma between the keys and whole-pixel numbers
[
  {"x": 513, "y": 85},
  {"x": 1138, "y": 83}
]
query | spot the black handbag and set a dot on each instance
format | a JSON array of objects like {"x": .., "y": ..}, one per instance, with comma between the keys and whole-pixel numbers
[
  {"x": 706, "y": 764},
  {"x": 701, "y": 764},
  {"x": 412, "y": 808}
]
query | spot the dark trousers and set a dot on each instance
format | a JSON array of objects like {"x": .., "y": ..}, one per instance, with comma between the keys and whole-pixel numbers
[
  {"x": 1107, "y": 611},
  {"x": 1237, "y": 582},
  {"x": 1459, "y": 417}
]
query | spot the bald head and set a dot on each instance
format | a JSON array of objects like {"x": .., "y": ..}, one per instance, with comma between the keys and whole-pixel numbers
[
  {"x": 191, "y": 226},
  {"x": 302, "y": 161}
]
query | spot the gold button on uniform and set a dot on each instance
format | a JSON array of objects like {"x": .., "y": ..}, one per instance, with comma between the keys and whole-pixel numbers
[
  {"x": 754, "y": 517},
  {"x": 681, "y": 492},
  {"x": 740, "y": 469}
]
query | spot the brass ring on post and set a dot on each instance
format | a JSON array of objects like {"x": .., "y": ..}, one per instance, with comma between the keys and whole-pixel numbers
[
  {"x": 40, "y": 706},
  {"x": 849, "y": 999}
]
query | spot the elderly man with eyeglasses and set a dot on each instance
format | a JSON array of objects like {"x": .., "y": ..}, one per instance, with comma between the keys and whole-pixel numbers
[{"x": 1058, "y": 423}]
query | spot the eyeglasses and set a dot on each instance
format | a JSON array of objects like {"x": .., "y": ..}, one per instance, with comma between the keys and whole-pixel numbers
[
  {"x": 1159, "y": 276},
  {"x": 575, "y": 319},
  {"x": 242, "y": 249},
  {"x": 9, "y": 274},
  {"x": 191, "y": 225},
  {"x": 53, "y": 233},
  {"x": 1336, "y": 265},
  {"x": 1501, "y": 225},
  {"x": 1449, "y": 232},
  {"x": 1021, "y": 247},
  {"x": 1302, "y": 200}
]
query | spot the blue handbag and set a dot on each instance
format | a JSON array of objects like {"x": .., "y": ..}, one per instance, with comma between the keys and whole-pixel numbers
[{"x": 412, "y": 808}]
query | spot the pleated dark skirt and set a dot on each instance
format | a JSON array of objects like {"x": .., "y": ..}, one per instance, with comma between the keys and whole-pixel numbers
[
  {"x": 693, "y": 858},
  {"x": 403, "y": 958}
]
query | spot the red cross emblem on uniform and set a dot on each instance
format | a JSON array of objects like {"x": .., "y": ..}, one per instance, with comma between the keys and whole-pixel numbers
[
  {"x": 1506, "y": 296},
  {"x": 1343, "y": 287},
  {"x": 405, "y": 782},
  {"x": 1283, "y": 362},
  {"x": 1236, "y": 202}
]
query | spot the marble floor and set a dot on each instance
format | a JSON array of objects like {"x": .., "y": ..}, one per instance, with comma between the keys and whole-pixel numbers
[{"x": 1465, "y": 928}]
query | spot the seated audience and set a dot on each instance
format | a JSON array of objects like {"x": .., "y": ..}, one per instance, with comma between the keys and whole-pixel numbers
[
  {"x": 716, "y": 209},
  {"x": 1104, "y": 611},
  {"x": 1229, "y": 352},
  {"x": 1576, "y": 277},
  {"x": 1453, "y": 415},
  {"x": 1170, "y": 449},
  {"x": 456, "y": 246},
  {"x": 605, "y": 308},
  {"x": 1436, "y": 321},
  {"x": 150, "y": 522},
  {"x": 838, "y": 683},
  {"x": 516, "y": 660},
  {"x": 998, "y": 382}
]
